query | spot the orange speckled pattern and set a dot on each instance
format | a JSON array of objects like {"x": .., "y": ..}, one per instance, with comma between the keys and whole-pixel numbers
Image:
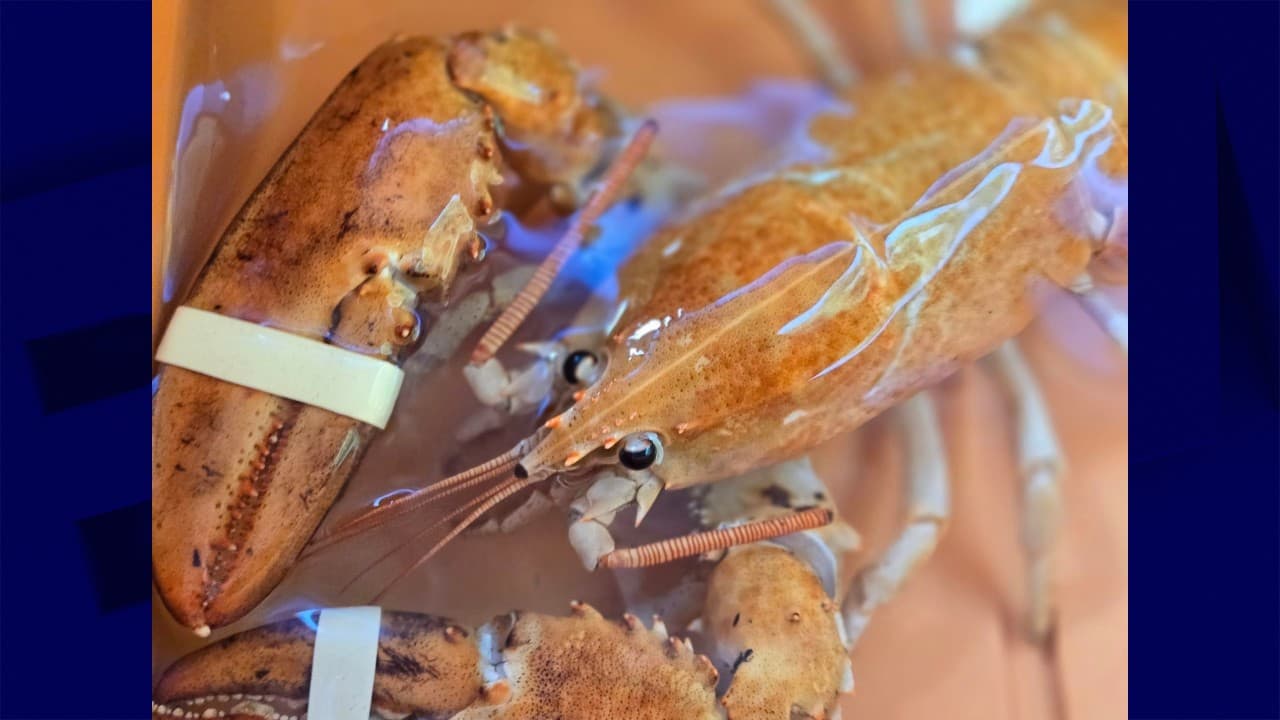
[
  {"x": 802, "y": 305},
  {"x": 775, "y": 627},
  {"x": 586, "y": 667}
]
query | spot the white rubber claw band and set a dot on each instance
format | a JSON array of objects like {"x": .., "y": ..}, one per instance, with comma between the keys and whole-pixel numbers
[
  {"x": 286, "y": 365},
  {"x": 343, "y": 663}
]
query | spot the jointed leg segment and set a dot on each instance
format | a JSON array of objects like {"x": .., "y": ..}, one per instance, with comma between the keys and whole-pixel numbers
[
  {"x": 1040, "y": 464},
  {"x": 809, "y": 29},
  {"x": 1110, "y": 318},
  {"x": 928, "y": 491}
]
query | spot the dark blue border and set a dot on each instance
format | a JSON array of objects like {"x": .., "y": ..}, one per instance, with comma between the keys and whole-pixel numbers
[
  {"x": 74, "y": 464},
  {"x": 1204, "y": 402},
  {"x": 75, "y": 616}
]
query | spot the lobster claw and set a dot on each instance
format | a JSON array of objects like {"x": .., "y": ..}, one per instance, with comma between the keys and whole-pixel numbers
[
  {"x": 427, "y": 667},
  {"x": 357, "y": 227},
  {"x": 241, "y": 480}
]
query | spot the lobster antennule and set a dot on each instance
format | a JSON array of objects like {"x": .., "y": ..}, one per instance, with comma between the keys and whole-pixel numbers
[
  {"x": 380, "y": 515},
  {"x": 424, "y": 532},
  {"x": 515, "y": 313},
  {"x": 482, "y": 505}
]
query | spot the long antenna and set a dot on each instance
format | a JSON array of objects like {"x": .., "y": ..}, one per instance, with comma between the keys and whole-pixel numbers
[
  {"x": 697, "y": 543},
  {"x": 504, "y": 491},
  {"x": 465, "y": 507},
  {"x": 374, "y": 517},
  {"x": 515, "y": 313}
]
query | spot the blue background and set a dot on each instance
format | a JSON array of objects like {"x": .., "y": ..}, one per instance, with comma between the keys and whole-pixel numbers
[
  {"x": 75, "y": 423},
  {"x": 1204, "y": 598}
]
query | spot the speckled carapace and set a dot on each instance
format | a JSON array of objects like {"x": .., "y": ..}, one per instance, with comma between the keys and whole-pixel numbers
[{"x": 797, "y": 304}]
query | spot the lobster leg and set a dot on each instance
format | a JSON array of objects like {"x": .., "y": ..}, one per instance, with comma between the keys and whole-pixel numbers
[
  {"x": 776, "y": 503},
  {"x": 1110, "y": 318},
  {"x": 912, "y": 21},
  {"x": 1040, "y": 463},
  {"x": 518, "y": 392},
  {"x": 930, "y": 507},
  {"x": 812, "y": 33}
]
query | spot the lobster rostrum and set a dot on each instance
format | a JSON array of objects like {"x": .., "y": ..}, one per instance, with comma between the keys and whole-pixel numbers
[
  {"x": 795, "y": 305},
  {"x": 372, "y": 211}
]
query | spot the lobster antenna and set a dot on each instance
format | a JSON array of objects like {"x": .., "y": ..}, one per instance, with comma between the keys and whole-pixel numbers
[
  {"x": 515, "y": 313},
  {"x": 697, "y": 543},
  {"x": 380, "y": 515},
  {"x": 812, "y": 32},
  {"x": 465, "y": 507},
  {"x": 497, "y": 495}
]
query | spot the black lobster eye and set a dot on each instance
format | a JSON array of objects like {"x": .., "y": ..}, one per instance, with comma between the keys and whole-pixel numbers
[
  {"x": 638, "y": 452},
  {"x": 580, "y": 367}
]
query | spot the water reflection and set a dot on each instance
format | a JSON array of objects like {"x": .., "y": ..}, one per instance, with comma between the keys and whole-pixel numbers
[{"x": 216, "y": 119}]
